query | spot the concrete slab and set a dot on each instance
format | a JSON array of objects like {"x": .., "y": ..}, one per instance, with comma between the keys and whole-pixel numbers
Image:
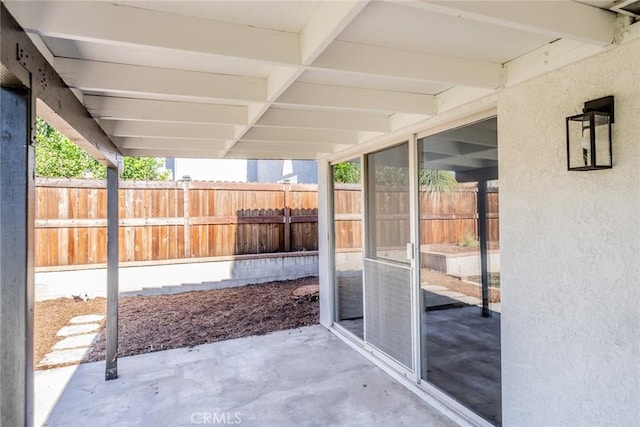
[
  {"x": 75, "y": 341},
  {"x": 301, "y": 377},
  {"x": 87, "y": 318},
  {"x": 49, "y": 385},
  {"x": 463, "y": 358},
  {"x": 66, "y": 331}
]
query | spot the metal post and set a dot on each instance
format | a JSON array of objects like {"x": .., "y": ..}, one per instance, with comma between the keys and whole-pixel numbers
[
  {"x": 16, "y": 257},
  {"x": 482, "y": 234},
  {"x": 112, "y": 275}
]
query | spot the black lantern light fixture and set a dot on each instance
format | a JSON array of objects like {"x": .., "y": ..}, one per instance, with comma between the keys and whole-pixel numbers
[{"x": 589, "y": 136}]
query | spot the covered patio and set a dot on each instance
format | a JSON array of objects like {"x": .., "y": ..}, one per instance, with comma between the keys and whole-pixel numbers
[
  {"x": 287, "y": 378},
  {"x": 480, "y": 92}
]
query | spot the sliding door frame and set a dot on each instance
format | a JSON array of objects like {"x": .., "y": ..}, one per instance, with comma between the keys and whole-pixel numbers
[{"x": 484, "y": 110}]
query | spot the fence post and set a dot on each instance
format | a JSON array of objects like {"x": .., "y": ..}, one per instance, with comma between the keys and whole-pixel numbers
[
  {"x": 287, "y": 218},
  {"x": 186, "y": 184}
]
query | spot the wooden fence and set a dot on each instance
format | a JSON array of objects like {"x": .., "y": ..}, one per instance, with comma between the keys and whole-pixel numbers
[
  {"x": 444, "y": 217},
  {"x": 174, "y": 220}
]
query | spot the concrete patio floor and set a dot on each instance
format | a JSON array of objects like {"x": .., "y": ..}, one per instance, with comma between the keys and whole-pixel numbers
[{"x": 300, "y": 377}]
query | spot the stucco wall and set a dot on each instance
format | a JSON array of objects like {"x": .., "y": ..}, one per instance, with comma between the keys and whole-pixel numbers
[{"x": 570, "y": 252}]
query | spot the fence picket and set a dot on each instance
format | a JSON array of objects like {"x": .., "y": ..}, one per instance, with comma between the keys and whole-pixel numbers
[{"x": 172, "y": 220}]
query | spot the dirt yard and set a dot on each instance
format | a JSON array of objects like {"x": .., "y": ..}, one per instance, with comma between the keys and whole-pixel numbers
[
  {"x": 51, "y": 315},
  {"x": 154, "y": 323}
]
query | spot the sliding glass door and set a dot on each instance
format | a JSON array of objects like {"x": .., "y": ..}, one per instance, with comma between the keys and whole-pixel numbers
[
  {"x": 387, "y": 264},
  {"x": 459, "y": 259},
  {"x": 417, "y": 261}
]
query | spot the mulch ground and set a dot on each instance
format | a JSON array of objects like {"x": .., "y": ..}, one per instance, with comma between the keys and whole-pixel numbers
[{"x": 162, "y": 322}]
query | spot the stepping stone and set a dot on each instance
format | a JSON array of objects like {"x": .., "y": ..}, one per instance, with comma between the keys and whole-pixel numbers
[
  {"x": 309, "y": 292},
  {"x": 59, "y": 357},
  {"x": 434, "y": 288},
  {"x": 78, "y": 329},
  {"x": 75, "y": 341},
  {"x": 471, "y": 300},
  {"x": 451, "y": 294},
  {"x": 88, "y": 318}
]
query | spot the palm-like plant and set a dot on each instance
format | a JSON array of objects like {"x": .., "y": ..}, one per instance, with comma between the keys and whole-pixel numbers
[{"x": 438, "y": 181}]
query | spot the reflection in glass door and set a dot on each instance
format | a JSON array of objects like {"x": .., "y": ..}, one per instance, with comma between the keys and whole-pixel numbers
[
  {"x": 459, "y": 266},
  {"x": 387, "y": 266},
  {"x": 347, "y": 217}
]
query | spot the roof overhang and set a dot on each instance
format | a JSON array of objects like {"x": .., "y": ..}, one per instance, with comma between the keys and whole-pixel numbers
[{"x": 287, "y": 79}]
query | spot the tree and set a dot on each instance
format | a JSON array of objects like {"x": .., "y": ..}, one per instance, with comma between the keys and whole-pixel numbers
[
  {"x": 347, "y": 172},
  {"x": 144, "y": 169},
  {"x": 58, "y": 157}
]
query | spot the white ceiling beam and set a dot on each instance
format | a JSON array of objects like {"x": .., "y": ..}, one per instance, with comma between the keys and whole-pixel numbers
[
  {"x": 403, "y": 64},
  {"x": 558, "y": 19},
  {"x": 459, "y": 95},
  {"x": 402, "y": 120},
  {"x": 167, "y": 130},
  {"x": 315, "y": 119},
  {"x": 277, "y": 82},
  {"x": 150, "y": 81},
  {"x": 329, "y": 136},
  {"x": 167, "y": 152},
  {"x": 107, "y": 107},
  {"x": 545, "y": 59},
  {"x": 280, "y": 79},
  {"x": 275, "y": 155},
  {"x": 123, "y": 25},
  {"x": 326, "y": 23},
  {"x": 301, "y": 147},
  {"x": 168, "y": 143},
  {"x": 351, "y": 98}
]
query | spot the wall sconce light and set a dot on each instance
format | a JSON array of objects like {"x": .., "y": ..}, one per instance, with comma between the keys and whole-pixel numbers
[{"x": 589, "y": 136}]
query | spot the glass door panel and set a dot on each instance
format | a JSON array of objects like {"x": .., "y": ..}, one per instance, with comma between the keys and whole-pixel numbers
[
  {"x": 460, "y": 319},
  {"x": 347, "y": 216},
  {"x": 387, "y": 269}
]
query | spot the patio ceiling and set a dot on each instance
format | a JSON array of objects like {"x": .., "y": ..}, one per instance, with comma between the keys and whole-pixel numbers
[{"x": 295, "y": 79}]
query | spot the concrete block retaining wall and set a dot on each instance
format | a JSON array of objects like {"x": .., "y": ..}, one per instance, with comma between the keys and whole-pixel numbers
[
  {"x": 460, "y": 265},
  {"x": 182, "y": 276}
]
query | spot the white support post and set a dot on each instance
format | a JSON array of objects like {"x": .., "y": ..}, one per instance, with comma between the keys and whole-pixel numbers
[
  {"x": 414, "y": 205},
  {"x": 112, "y": 275},
  {"x": 325, "y": 245},
  {"x": 16, "y": 257}
]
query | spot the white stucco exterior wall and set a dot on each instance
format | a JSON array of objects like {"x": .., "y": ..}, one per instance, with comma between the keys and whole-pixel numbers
[{"x": 570, "y": 251}]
